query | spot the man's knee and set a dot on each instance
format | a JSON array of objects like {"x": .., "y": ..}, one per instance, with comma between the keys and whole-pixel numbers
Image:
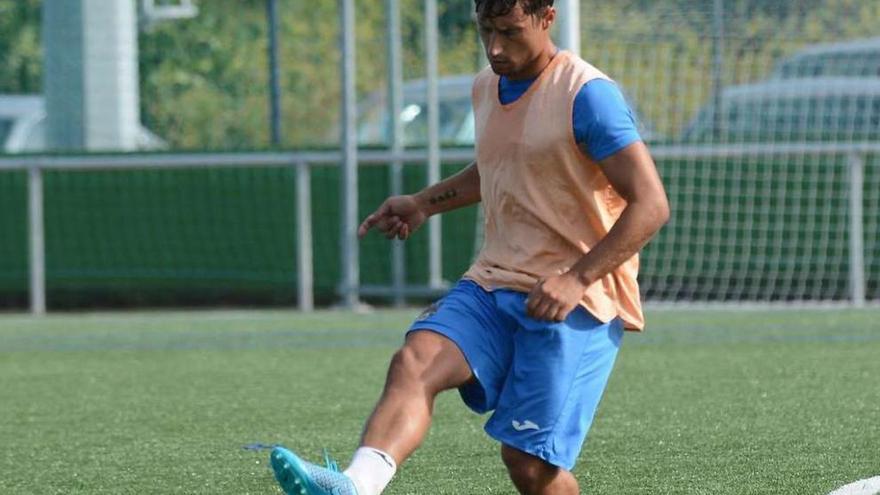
[
  {"x": 428, "y": 361},
  {"x": 406, "y": 368},
  {"x": 529, "y": 473}
]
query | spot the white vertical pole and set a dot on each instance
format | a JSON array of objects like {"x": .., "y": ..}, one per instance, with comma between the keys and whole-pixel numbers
[
  {"x": 37, "y": 241},
  {"x": 304, "y": 259},
  {"x": 348, "y": 185},
  {"x": 435, "y": 268},
  {"x": 482, "y": 59},
  {"x": 569, "y": 17},
  {"x": 856, "y": 232},
  {"x": 274, "y": 74},
  {"x": 395, "y": 133},
  {"x": 718, "y": 42}
]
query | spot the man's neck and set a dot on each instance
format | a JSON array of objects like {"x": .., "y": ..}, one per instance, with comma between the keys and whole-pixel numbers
[{"x": 538, "y": 65}]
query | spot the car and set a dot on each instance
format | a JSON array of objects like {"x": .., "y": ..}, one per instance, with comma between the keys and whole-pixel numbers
[
  {"x": 22, "y": 123},
  {"x": 23, "y": 126},
  {"x": 856, "y": 58},
  {"x": 793, "y": 110},
  {"x": 456, "y": 115}
]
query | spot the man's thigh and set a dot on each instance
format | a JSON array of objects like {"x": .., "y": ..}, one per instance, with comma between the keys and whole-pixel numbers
[
  {"x": 437, "y": 359},
  {"x": 557, "y": 378},
  {"x": 468, "y": 317}
]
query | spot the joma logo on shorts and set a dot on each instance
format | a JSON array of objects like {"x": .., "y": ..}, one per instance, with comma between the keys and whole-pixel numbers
[{"x": 525, "y": 425}]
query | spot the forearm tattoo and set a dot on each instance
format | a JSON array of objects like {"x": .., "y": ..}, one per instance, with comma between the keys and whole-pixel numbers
[{"x": 446, "y": 196}]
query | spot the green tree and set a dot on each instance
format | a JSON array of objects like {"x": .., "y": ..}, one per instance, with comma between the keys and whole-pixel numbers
[
  {"x": 204, "y": 80},
  {"x": 20, "y": 56}
]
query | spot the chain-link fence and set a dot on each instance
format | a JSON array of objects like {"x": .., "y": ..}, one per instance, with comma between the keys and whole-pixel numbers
[{"x": 764, "y": 118}]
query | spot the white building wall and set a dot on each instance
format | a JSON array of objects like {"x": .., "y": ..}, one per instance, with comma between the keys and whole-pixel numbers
[{"x": 91, "y": 77}]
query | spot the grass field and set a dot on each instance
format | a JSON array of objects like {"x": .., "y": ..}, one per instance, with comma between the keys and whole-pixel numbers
[{"x": 733, "y": 402}]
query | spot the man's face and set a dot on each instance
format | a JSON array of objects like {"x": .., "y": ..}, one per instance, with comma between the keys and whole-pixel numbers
[{"x": 515, "y": 40}]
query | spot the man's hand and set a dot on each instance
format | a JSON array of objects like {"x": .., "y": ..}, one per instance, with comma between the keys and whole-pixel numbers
[
  {"x": 398, "y": 216},
  {"x": 555, "y": 297}
]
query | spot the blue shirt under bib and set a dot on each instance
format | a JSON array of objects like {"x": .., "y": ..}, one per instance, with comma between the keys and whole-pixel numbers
[{"x": 603, "y": 122}]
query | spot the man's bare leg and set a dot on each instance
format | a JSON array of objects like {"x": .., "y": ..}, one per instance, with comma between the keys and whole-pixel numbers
[
  {"x": 533, "y": 476},
  {"x": 427, "y": 364}
]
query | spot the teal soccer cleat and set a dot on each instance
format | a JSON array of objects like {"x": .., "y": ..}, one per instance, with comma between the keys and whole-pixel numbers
[{"x": 298, "y": 477}]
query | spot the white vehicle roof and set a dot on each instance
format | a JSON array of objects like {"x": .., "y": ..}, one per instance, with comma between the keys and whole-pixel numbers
[
  {"x": 805, "y": 87},
  {"x": 856, "y": 58},
  {"x": 860, "y": 45},
  {"x": 12, "y": 106},
  {"x": 449, "y": 86},
  {"x": 27, "y": 132}
]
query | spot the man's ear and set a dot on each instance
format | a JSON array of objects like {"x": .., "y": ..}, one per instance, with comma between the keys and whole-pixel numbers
[{"x": 549, "y": 18}]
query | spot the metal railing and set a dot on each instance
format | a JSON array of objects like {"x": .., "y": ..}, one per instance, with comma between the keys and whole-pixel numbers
[{"x": 303, "y": 161}]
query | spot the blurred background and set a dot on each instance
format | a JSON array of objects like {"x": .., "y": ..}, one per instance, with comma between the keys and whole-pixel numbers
[{"x": 196, "y": 153}]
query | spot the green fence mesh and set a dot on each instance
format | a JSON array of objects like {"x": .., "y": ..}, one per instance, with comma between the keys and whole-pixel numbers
[
  {"x": 197, "y": 236},
  {"x": 755, "y": 229}
]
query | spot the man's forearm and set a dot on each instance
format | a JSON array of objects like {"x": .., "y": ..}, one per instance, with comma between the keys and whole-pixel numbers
[
  {"x": 636, "y": 226},
  {"x": 462, "y": 189}
]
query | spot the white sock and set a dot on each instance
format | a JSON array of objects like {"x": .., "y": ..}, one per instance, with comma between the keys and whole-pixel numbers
[{"x": 371, "y": 470}]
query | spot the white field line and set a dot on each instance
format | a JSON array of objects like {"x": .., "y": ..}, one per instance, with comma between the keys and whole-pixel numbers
[{"x": 870, "y": 486}]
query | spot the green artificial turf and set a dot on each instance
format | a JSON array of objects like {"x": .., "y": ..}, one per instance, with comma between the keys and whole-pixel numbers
[{"x": 706, "y": 402}]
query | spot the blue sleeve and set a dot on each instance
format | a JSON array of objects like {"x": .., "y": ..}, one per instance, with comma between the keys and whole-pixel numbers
[{"x": 603, "y": 122}]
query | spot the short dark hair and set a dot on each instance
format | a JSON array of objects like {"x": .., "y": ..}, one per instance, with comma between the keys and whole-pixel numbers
[{"x": 496, "y": 8}]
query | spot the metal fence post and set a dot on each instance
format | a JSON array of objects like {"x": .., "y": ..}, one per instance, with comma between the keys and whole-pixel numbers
[
  {"x": 718, "y": 42},
  {"x": 570, "y": 25},
  {"x": 304, "y": 259},
  {"x": 349, "y": 252},
  {"x": 435, "y": 247},
  {"x": 274, "y": 79},
  {"x": 395, "y": 134},
  {"x": 37, "y": 241},
  {"x": 856, "y": 229}
]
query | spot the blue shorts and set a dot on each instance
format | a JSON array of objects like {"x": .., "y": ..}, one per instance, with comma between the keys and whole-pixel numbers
[{"x": 543, "y": 379}]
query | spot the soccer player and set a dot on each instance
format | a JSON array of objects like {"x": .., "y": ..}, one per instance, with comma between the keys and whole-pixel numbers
[{"x": 532, "y": 330}]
